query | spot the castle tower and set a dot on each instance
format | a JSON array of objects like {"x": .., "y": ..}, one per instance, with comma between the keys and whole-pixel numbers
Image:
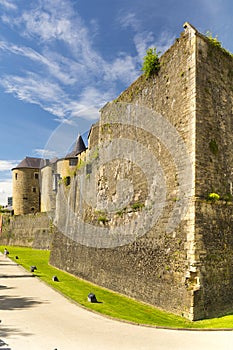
[
  {"x": 56, "y": 170},
  {"x": 78, "y": 148},
  {"x": 26, "y": 187}
]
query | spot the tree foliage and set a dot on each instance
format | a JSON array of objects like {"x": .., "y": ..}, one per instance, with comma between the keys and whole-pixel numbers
[{"x": 151, "y": 63}]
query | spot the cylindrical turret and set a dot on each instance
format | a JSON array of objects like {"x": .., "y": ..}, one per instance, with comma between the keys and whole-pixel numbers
[{"x": 26, "y": 187}]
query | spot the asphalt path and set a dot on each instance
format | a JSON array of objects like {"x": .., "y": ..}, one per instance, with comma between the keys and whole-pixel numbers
[{"x": 35, "y": 317}]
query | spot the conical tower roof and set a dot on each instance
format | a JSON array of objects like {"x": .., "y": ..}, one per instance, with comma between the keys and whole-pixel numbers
[{"x": 78, "y": 148}]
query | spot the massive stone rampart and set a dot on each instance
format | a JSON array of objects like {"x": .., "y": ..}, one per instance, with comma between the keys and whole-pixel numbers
[
  {"x": 185, "y": 269},
  {"x": 151, "y": 262}
]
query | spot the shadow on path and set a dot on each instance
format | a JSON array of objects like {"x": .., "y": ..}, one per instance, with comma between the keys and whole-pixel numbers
[
  {"x": 5, "y": 332},
  {"x": 14, "y": 302},
  {"x": 5, "y": 287},
  {"x": 4, "y": 346},
  {"x": 16, "y": 276}
]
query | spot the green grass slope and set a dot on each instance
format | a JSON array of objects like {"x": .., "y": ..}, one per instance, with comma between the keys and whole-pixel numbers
[{"x": 109, "y": 303}]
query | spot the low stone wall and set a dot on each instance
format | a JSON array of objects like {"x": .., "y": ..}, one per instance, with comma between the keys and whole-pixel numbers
[{"x": 32, "y": 230}]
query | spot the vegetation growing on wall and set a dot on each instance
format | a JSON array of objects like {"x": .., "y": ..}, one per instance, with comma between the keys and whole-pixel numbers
[
  {"x": 151, "y": 63},
  {"x": 213, "y": 147},
  {"x": 66, "y": 180},
  {"x": 3, "y": 210},
  {"x": 137, "y": 206},
  {"x": 103, "y": 219},
  {"x": 213, "y": 197},
  {"x": 228, "y": 197},
  {"x": 215, "y": 42}
]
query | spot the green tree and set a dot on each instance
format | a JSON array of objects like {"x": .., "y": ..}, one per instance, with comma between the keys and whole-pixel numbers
[{"x": 151, "y": 63}]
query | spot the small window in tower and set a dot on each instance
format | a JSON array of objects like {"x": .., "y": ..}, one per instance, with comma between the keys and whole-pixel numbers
[
  {"x": 73, "y": 162},
  {"x": 34, "y": 189},
  {"x": 88, "y": 169},
  {"x": 36, "y": 176},
  {"x": 32, "y": 209},
  {"x": 16, "y": 176}
]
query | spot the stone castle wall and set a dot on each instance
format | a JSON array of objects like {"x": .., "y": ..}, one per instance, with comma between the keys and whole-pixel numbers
[
  {"x": 32, "y": 230},
  {"x": 214, "y": 165},
  {"x": 155, "y": 267},
  {"x": 214, "y": 250},
  {"x": 214, "y": 127}
]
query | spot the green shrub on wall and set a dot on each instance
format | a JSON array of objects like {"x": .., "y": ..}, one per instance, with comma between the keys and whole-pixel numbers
[
  {"x": 66, "y": 180},
  {"x": 213, "y": 197},
  {"x": 216, "y": 43},
  {"x": 213, "y": 40},
  {"x": 151, "y": 64},
  {"x": 103, "y": 219},
  {"x": 137, "y": 206}
]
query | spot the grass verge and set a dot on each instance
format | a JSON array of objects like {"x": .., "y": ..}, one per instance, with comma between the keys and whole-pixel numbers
[{"x": 110, "y": 303}]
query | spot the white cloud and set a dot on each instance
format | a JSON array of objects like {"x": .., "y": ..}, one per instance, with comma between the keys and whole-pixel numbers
[
  {"x": 122, "y": 69},
  {"x": 57, "y": 81},
  {"x": 6, "y": 165},
  {"x": 5, "y": 191},
  {"x": 33, "y": 89},
  {"x": 129, "y": 20},
  {"x": 89, "y": 103},
  {"x": 145, "y": 39},
  {"x": 6, "y": 184},
  {"x": 165, "y": 40},
  {"x": 45, "y": 153},
  {"x": 51, "y": 97},
  {"x": 142, "y": 39},
  {"x": 52, "y": 62},
  {"x": 8, "y": 5},
  {"x": 51, "y": 21}
]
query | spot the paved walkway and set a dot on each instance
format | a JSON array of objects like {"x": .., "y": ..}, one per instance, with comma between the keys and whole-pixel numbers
[{"x": 35, "y": 317}]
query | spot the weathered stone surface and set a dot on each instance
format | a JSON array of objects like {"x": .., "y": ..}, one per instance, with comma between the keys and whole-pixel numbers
[
  {"x": 188, "y": 270},
  {"x": 32, "y": 230},
  {"x": 153, "y": 267},
  {"x": 26, "y": 191},
  {"x": 214, "y": 251}
]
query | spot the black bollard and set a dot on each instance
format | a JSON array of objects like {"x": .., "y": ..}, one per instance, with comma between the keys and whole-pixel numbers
[{"x": 92, "y": 298}]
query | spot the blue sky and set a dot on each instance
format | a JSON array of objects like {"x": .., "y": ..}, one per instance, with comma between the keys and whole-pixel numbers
[{"x": 62, "y": 60}]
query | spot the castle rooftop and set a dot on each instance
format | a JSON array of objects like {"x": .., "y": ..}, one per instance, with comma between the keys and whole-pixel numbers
[
  {"x": 78, "y": 148},
  {"x": 30, "y": 162}
]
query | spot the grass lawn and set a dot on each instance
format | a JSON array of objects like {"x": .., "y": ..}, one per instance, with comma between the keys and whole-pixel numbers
[{"x": 110, "y": 303}]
